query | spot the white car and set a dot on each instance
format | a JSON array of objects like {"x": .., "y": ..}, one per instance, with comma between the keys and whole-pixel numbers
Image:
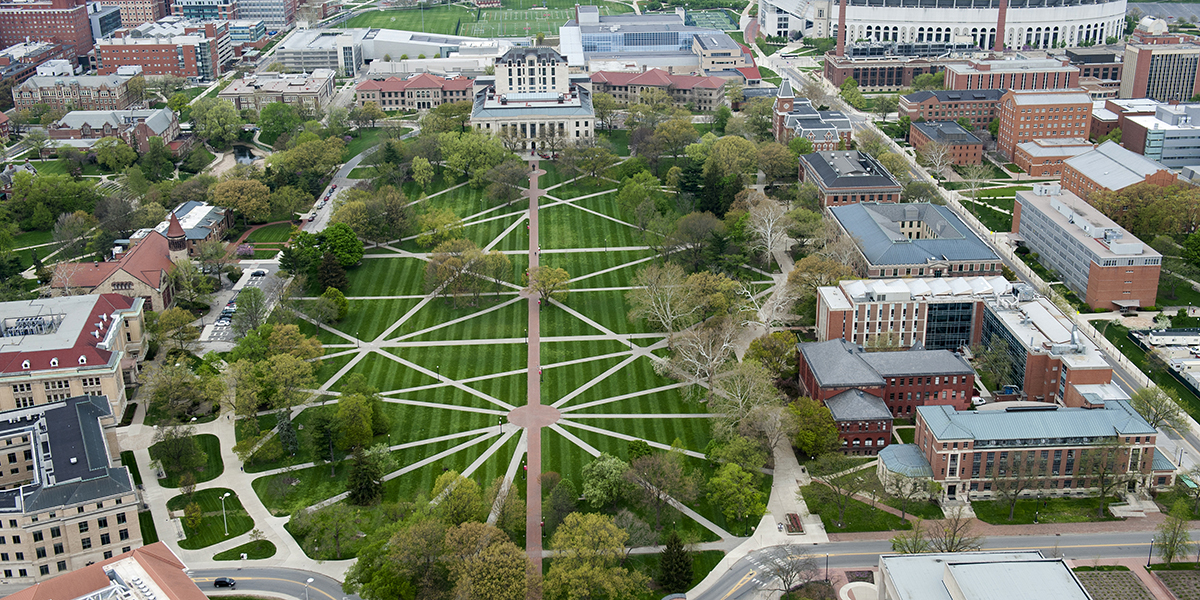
[{"x": 977, "y": 401}]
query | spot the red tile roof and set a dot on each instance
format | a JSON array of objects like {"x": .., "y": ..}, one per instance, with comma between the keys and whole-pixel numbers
[
  {"x": 750, "y": 73},
  {"x": 147, "y": 261},
  {"x": 174, "y": 229},
  {"x": 85, "y": 342},
  {"x": 167, "y": 571},
  {"x": 657, "y": 78}
]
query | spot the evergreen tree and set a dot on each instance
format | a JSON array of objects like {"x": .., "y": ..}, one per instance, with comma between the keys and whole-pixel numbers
[
  {"x": 675, "y": 566},
  {"x": 562, "y": 501},
  {"x": 287, "y": 433},
  {"x": 331, "y": 273},
  {"x": 37, "y": 260},
  {"x": 365, "y": 483}
]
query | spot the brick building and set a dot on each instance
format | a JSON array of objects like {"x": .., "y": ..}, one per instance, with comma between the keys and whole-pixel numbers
[
  {"x": 54, "y": 348},
  {"x": 1050, "y": 451},
  {"x": 1159, "y": 64},
  {"x": 311, "y": 92},
  {"x": 903, "y": 379},
  {"x": 62, "y": 21},
  {"x": 980, "y": 107},
  {"x": 170, "y": 46},
  {"x": 965, "y": 148},
  {"x": 1012, "y": 74},
  {"x": 83, "y": 128},
  {"x": 1108, "y": 115},
  {"x": 140, "y": 272},
  {"x": 21, "y": 61},
  {"x": 863, "y": 421},
  {"x": 1046, "y": 157},
  {"x": 200, "y": 222},
  {"x": 86, "y": 92},
  {"x": 1105, "y": 265},
  {"x": 1111, "y": 167},
  {"x": 415, "y": 92},
  {"x": 885, "y": 73},
  {"x": 848, "y": 177},
  {"x": 700, "y": 93},
  {"x": 136, "y": 12},
  {"x": 1031, "y": 114},
  {"x": 914, "y": 240},
  {"x": 795, "y": 117}
]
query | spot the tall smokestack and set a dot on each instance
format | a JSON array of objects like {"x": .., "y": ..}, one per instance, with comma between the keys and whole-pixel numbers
[
  {"x": 999, "y": 45},
  {"x": 841, "y": 33}
]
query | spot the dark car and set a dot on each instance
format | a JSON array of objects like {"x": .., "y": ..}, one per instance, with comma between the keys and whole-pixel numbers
[
  {"x": 259, "y": 274},
  {"x": 225, "y": 582}
]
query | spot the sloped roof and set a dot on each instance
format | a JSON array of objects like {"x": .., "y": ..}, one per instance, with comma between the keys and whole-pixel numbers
[
  {"x": 878, "y": 237},
  {"x": 71, "y": 341},
  {"x": 1114, "y": 167},
  {"x": 1115, "y": 418},
  {"x": 166, "y": 570},
  {"x": 857, "y": 405},
  {"x": 147, "y": 261},
  {"x": 906, "y": 460},
  {"x": 917, "y": 362},
  {"x": 838, "y": 363},
  {"x": 174, "y": 229},
  {"x": 753, "y": 73},
  {"x": 158, "y": 120},
  {"x": 847, "y": 169},
  {"x": 422, "y": 81},
  {"x": 657, "y": 78}
]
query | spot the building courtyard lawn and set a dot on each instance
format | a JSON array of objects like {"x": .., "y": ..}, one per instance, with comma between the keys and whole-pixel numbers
[
  {"x": 211, "y": 529},
  {"x": 859, "y": 516},
  {"x": 271, "y": 234},
  {"x": 211, "y": 446},
  {"x": 1047, "y": 510},
  {"x": 253, "y": 550}
]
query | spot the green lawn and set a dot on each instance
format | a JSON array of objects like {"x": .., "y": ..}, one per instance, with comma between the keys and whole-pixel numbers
[
  {"x": 277, "y": 233},
  {"x": 363, "y": 173},
  {"x": 1048, "y": 510},
  {"x": 907, "y": 435},
  {"x": 439, "y": 19},
  {"x": 32, "y": 238},
  {"x": 253, "y": 550},
  {"x": 991, "y": 218},
  {"x": 859, "y": 516},
  {"x": 128, "y": 460},
  {"x": 212, "y": 527},
  {"x": 365, "y": 138},
  {"x": 211, "y": 447},
  {"x": 619, "y": 138},
  {"x": 149, "y": 531}
]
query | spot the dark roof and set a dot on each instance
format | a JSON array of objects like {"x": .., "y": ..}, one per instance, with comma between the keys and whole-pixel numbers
[
  {"x": 857, "y": 405},
  {"x": 877, "y": 235},
  {"x": 947, "y": 132},
  {"x": 73, "y": 432},
  {"x": 956, "y": 95},
  {"x": 917, "y": 362},
  {"x": 838, "y": 364},
  {"x": 848, "y": 169},
  {"x": 522, "y": 53}
]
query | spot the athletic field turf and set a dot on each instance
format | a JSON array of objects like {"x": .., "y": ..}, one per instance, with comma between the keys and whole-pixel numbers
[{"x": 457, "y": 20}]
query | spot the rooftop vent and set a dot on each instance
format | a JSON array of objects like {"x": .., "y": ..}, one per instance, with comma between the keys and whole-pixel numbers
[{"x": 74, "y": 460}]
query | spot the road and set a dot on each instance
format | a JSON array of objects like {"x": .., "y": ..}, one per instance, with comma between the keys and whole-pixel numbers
[
  {"x": 746, "y": 576},
  {"x": 287, "y": 583}
]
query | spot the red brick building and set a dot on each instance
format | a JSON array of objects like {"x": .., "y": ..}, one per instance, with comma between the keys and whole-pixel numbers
[
  {"x": 62, "y": 21},
  {"x": 965, "y": 148},
  {"x": 980, "y": 107},
  {"x": 903, "y": 379},
  {"x": 136, "y": 127},
  {"x": 848, "y": 177},
  {"x": 1031, "y": 114},
  {"x": 172, "y": 46},
  {"x": 1110, "y": 168},
  {"x": 863, "y": 421},
  {"x": 1046, "y": 157},
  {"x": 417, "y": 92},
  {"x": 1160, "y": 65},
  {"x": 1019, "y": 74}
]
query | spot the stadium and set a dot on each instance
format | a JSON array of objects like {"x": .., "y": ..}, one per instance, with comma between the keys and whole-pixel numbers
[{"x": 988, "y": 24}]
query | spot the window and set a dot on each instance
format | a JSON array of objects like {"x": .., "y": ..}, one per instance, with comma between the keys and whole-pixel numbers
[
  {"x": 123, "y": 535},
  {"x": 62, "y": 565},
  {"x": 86, "y": 543},
  {"x": 102, "y": 522},
  {"x": 108, "y": 554},
  {"x": 105, "y": 539},
  {"x": 37, "y": 536},
  {"x": 54, "y": 531},
  {"x": 83, "y": 527},
  {"x": 120, "y": 518},
  {"x": 40, "y": 552},
  {"x": 58, "y": 548},
  {"x": 44, "y": 570}
]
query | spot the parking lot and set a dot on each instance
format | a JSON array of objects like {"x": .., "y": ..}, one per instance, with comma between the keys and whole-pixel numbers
[{"x": 222, "y": 331}]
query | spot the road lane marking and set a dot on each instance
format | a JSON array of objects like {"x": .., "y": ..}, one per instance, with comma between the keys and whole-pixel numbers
[
  {"x": 747, "y": 577},
  {"x": 268, "y": 579}
]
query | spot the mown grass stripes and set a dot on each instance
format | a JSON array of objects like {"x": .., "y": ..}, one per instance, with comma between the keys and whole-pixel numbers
[
  {"x": 564, "y": 226},
  {"x": 387, "y": 277}
]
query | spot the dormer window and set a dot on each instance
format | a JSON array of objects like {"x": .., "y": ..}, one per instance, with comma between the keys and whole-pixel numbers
[
  {"x": 25, "y": 364},
  {"x": 54, "y": 362},
  {"x": 82, "y": 360}
]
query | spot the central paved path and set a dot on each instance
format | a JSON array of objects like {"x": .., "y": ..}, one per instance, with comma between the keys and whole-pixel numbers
[{"x": 534, "y": 416}]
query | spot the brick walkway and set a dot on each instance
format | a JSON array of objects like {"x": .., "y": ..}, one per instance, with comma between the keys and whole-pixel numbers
[{"x": 534, "y": 416}]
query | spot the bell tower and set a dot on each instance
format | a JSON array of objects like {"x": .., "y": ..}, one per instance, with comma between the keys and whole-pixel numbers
[
  {"x": 176, "y": 239},
  {"x": 784, "y": 100}
]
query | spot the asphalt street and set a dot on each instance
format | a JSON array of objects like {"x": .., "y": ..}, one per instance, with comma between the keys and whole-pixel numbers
[
  {"x": 288, "y": 583},
  {"x": 747, "y": 575}
]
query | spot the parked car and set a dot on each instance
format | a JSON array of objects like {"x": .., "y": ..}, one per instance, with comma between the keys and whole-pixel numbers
[
  {"x": 259, "y": 273},
  {"x": 225, "y": 582},
  {"x": 977, "y": 401}
]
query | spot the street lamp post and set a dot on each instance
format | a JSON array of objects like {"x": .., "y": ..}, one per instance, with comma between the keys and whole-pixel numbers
[
  {"x": 223, "y": 515},
  {"x": 306, "y": 584}
]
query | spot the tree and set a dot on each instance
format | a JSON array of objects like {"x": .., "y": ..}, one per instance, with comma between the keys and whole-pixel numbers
[
  {"x": 458, "y": 498},
  {"x": 659, "y": 478},
  {"x": 953, "y": 534},
  {"x": 507, "y": 178},
  {"x": 278, "y": 118},
  {"x": 365, "y": 482},
  {"x": 1105, "y": 463},
  {"x": 1173, "y": 540},
  {"x": 817, "y": 433},
  {"x": 499, "y": 571},
  {"x": 1160, "y": 407},
  {"x": 851, "y": 94},
  {"x": 288, "y": 200},
  {"x": 799, "y": 146},
  {"x": 605, "y": 106},
  {"x": 249, "y": 197},
  {"x": 885, "y": 105},
  {"x": 776, "y": 162},
  {"x": 328, "y": 526},
  {"x": 928, "y": 81},
  {"x": 436, "y": 226},
  {"x": 731, "y": 155},
  {"x": 176, "y": 450},
  {"x": 702, "y": 351},
  {"x": 331, "y": 273},
  {"x": 830, "y": 469},
  {"x": 914, "y": 541},
  {"x": 676, "y": 134},
  {"x": 675, "y": 566},
  {"x": 741, "y": 389},
  {"x": 547, "y": 282},
  {"x": 354, "y": 421},
  {"x": 38, "y": 140},
  {"x": 919, "y": 191},
  {"x": 591, "y": 160},
  {"x": 768, "y": 225},
  {"x": 114, "y": 154},
  {"x": 286, "y": 432},
  {"x": 732, "y": 488},
  {"x": 422, "y": 171},
  {"x": 993, "y": 361},
  {"x": 937, "y": 156},
  {"x": 896, "y": 165},
  {"x": 178, "y": 101},
  {"x": 904, "y": 488},
  {"x": 417, "y": 549},
  {"x": 662, "y": 296},
  {"x": 789, "y": 567},
  {"x": 603, "y": 480},
  {"x": 721, "y": 118},
  {"x": 340, "y": 241},
  {"x": 71, "y": 232},
  {"x": 871, "y": 142},
  {"x": 369, "y": 112},
  {"x": 562, "y": 502},
  {"x": 776, "y": 352},
  {"x": 588, "y": 549},
  {"x": 733, "y": 93},
  {"x": 814, "y": 271},
  {"x": 177, "y": 392},
  {"x": 174, "y": 325},
  {"x": 975, "y": 176},
  {"x": 693, "y": 234},
  {"x": 1022, "y": 471},
  {"x": 337, "y": 299},
  {"x": 216, "y": 121}
]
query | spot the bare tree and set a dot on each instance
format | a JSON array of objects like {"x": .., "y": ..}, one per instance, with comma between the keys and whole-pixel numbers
[
  {"x": 768, "y": 223},
  {"x": 65, "y": 276},
  {"x": 914, "y": 541},
  {"x": 1111, "y": 465},
  {"x": 662, "y": 296},
  {"x": 659, "y": 478},
  {"x": 953, "y": 534},
  {"x": 975, "y": 176},
  {"x": 788, "y": 567},
  {"x": 1160, "y": 407},
  {"x": 836, "y": 470},
  {"x": 739, "y": 391},
  {"x": 903, "y": 488},
  {"x": 937, "y": 156},
  {"x": 773, "y": 425},
  {"x": 701, "y": 352},
  {"x": 770, "y": 307},
  {"x": 1023, "y": 471},
  {"x": 814, "y": 90}
]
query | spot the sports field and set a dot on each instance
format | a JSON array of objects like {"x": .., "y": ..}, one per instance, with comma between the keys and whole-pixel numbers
[
  {"x": 712, "y": 19},
  {"x": 511, "y": 21}
]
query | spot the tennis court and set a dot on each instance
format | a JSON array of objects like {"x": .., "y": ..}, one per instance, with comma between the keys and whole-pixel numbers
[
  {"x": 712, "y": 19},
  {"x": 520, "y": 23}
]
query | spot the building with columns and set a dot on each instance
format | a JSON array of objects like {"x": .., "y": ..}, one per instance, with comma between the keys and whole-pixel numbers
[{"x": 532, "y": 95}]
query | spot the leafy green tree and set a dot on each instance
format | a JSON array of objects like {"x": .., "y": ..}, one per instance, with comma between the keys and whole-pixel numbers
[
  {"x": 328, "y": 527},
  {"x": 178, "y": 101},
  {"x": 338, "y": 299},
  {"x": 158, "y": 163},
  {"x": 365, "y": 482},
  {"x": 249, "y": 197},
  {"x": 114, "y": 154},
  {"x": 588, "y": 550},
  {"x": 331, "y": 273},
  {"x": 323, "y": 436},
  {"x": 563, "y": 501},
  {"x": 278, "y": 118},
  {"x": 286, "y": 432},
  {"x": 422, "y": 171},
  {"x": 603, "y": 480},
  {"x": 340, "y": 241},
  {"x": 176, "y": 450},
  {"x": 458, "y": 498},
  {"x": 354, "y": 421},
  {"x": 818, "y": 432},
  {"x": 675, "y": 566},
  {"x": 216, "y": 121},
  {"x": 733, "y": 489}
]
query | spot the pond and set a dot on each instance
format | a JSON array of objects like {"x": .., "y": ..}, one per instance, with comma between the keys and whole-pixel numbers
[{"x": 243, "y": 155}]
